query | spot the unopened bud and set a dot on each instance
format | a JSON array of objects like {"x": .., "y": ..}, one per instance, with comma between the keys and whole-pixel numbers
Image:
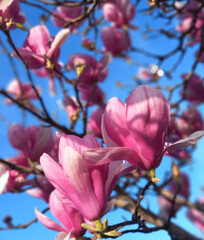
[
  {"x": 7, "y": 219},
  {"x": 175, "y": 171},
  {"x": 152, "y": 2}
]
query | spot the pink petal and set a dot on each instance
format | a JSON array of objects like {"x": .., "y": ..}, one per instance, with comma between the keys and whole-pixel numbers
[
  {"x": 78, "y": 177},
  {"x": 41, "y": 46},
  {"x": 110, "y": 12},
  {"x": 99, "y": 176},
  {"x": 78, "y": 144},
  {"x": 189, "y": 141},
  {"x": 114, "y": 127},
  {"x": 59, "y": 40},
  {"x": 44, "y": 143},
  {"x": 65, "y": 211},
  {"x": 5, "y": 3},
  {"x": 3, "y": 181},
  {"x": 126, "y": 168},
  {"x": 62, "y": 236},
  {"x": 109, "y": 206},
  {"x": 102, "y": 156},
  {"x": 114, "y": 170},
  {"x": 33, "y": 60},
  {"x": 18, "y": 137},
  {"x": 47, "y": 222},
  {"x": 89, "y": 142},
  {"x": 148, "y": 115},
  {"x": 55, "y": 175},
  {"x": 69, "y": 141},
  {"x": 39, "y": 193},
  {"x": 115, "y": 40}
]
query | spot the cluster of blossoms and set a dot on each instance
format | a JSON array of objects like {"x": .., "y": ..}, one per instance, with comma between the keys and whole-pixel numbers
[
  {"x": 116, "y": 38},
  {"x": 30, "y": 143},
  {"x": 84, "y": 174},
  {"x": 190, "y": 120},
  {"x": 9, "y": 14},
  {"x": 87, "y": 172},
  {"x": 191, "y": 18}
]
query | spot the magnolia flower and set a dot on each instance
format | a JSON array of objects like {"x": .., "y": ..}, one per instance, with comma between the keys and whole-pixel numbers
[
  {"x": 66, "y": 13},
  {"x": 120, "y": 12},
  {"x": 189, "y": 122},
  {"x": 32, "y": 142},
  {"x": 90, "y": 72},
  {"x": 115, "y": 40},
  {"x": 9, "y": 13},
  {"x": 88, "y": 69},
  {"x": 194, "y": 91},
  {"x": 12, "y": 180},
  {"x": 136, "y": 131},
  {"x": 45, "y": 51},
  {"x": 191, "y": 21},
  {"x": 21, "y": 91},
  {"x": 180, "y": 154},
  {"x": 88, "y": 44},
  {"x": 87, "y": 186},
  {"x": 91, "y": 93},
  {"x": 137, "y": 128},
  {"x": 64, "y": 210}
]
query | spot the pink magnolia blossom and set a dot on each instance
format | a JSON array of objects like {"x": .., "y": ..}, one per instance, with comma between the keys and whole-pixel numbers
[
  {"x": 88, "y": 44},
  {"x": 191, "y": 21},
  {"x": 91, "y": 93},
  {"x": 32, "y": 142},
  {"x": 67, "y": 13},
  {"x": 197, "y": 217},
  {"x": 9, "y": 12},
  {"x": 36, "y": 53},
  {"x": 16, "y": 180},
  {"x": 144, "y": 73},
  {"x": 21, "y": 91},
  {"x": 90, "y": 72},
  {"x": 194, "y": 91},
  {"x": 64, "y": 210},
  {"x": 185, "y": 24},
  {"x": 87, "y": 186},
  {"x": 181, "y": 154},
  {"x": 94, "y": 123},
  {"x": 120, "y": 12},
  {"x": 115, "y": 40},
  {"x": 93, "y": 71},
  {"x": 135, "y": 131},
  {"x": 189, "y": 122}
]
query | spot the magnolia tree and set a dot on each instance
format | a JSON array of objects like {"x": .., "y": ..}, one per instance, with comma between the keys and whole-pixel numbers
[{"x": 85, "y": 153}]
